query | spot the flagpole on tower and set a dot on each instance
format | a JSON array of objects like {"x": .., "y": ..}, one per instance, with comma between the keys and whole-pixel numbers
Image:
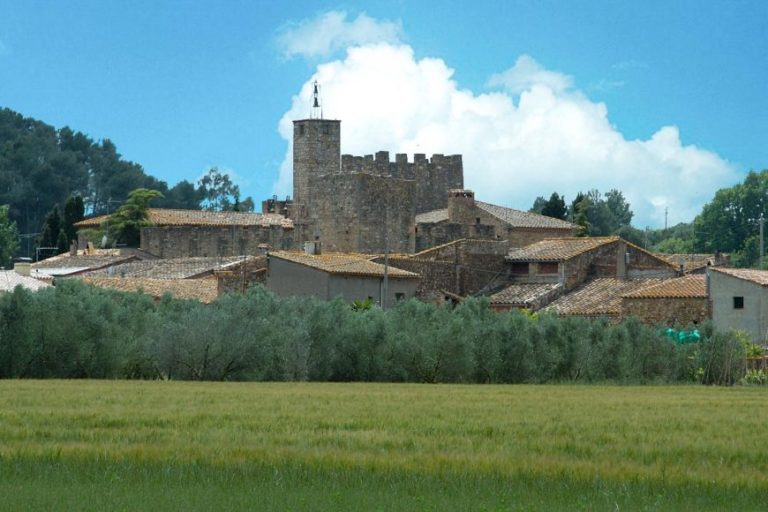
[{"x": 317, "y": 109}]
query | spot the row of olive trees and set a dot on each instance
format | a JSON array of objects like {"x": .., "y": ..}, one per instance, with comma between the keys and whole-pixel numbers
[{"x": 75, "y": 331}]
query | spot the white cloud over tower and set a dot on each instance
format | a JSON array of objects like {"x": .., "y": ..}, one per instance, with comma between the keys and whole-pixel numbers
[{"x": 529, "y": 134}]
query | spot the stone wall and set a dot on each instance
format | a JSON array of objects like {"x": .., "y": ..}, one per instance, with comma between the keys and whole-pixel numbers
[
  {"x": 433, "y": 177},
  {"x": 608, "y": 260},
  {"x": 191, "y": 241},
  {"x": 240, "y": 279},
  {"x": 668, "y": 311},
  {"x": 467, "y": 220},
  {"x": 366, "y": 213},
  {"x": 464, "y": 267}
]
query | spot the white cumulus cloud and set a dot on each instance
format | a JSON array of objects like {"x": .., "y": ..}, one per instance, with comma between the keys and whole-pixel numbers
[
  {"x": 527, "y": 73},
  {"x": 534, "y": 135},
  {"x": 331, "y": 31}
]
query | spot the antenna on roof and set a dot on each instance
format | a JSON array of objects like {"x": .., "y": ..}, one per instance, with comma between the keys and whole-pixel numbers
[{"x": 316, "y": 112}]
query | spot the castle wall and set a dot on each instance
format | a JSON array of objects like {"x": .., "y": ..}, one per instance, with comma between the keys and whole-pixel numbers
[
  {"x": 316, "y": 152},
  {"x": 191, "y": 241},
  {"x": 366, "y": 213},
  {"x": 434, "y": 177},
  {"x": 361, "y": 204}
]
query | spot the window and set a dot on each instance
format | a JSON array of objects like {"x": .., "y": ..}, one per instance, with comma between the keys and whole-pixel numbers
[
  {"x": 548, "y": 268},
  {"x": 326, "y": 129},
  {"x": 477, "y": 220},
  {"x": 301, "y": 129},
  {"x": 738, "y": 303},
  {"x": 399, "y": 296},
  {"x": 520, "y": 269}
]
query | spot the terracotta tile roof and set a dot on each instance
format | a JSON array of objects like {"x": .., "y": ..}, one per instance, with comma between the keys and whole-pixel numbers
[
  {"x": 203, "y": 290},
  {"x": 521, "y": 219},
  {"x": 170, "y": 268},
  {"x": 600, "y": 297},
  {"x": 558, "y": 249},
  {"x": 64, "y": 264},
  {"x": 692, "y": 286},
  {"x": 523, "y": 294},
  {"x": 748, "y": 274},
  {"x": 170, "y": 217},
  {"x": 10, "y": 279},
  {"x": 344, "y": 264},
  {"x": 432, "y": 217},
  {"x": 690, "y": 262}
]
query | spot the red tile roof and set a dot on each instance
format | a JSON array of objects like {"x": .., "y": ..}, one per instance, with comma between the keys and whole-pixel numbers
[
  {"x": 523, "y": 294},
  {"x": 600, "y": 297},
  {"x": 170, "y": 217},
  {"x": 559, "y": 249},
  {"x": 10, "y": 279},
  {"x": 748, "y": 274},
  {"x": 692, "y": 286},
  {"x": 203, "y": 290},
  {"x": 521, "y": 219},
  {"x": 344, "y": 264}
]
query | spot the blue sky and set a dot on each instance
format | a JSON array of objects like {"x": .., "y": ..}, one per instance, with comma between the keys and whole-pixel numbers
[{"x": 663, "y": 100}]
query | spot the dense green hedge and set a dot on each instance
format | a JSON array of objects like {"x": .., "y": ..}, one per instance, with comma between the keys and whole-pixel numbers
[{"x": 76, "y": 331}]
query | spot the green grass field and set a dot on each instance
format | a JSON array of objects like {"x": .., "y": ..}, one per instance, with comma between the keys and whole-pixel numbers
[{"x": 115, "y": 445}]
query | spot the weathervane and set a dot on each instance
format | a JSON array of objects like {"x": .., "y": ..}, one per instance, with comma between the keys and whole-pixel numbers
[{"x": 317, "y": 110}]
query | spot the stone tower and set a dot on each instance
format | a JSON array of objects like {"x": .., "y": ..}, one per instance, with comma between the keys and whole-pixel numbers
[{"x": 316, "y": 152}]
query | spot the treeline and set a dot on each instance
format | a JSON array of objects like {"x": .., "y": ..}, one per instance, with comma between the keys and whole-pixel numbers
[
  {"x": 76, "y": 331},
  {"x": 40, "y": 167}
]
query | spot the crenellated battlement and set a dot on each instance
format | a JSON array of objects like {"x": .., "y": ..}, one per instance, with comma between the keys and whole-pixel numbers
[
  {"x": 433, "y": 176},
  {"x": 401, "y": 167},
  {"x": 362, "y": 203}
]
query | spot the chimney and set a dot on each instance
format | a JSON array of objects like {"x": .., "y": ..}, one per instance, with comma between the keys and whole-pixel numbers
[
  {"x": 22, "y": 266},
  {"x": 461, "y": 206},
  {"x": 312, "y": 248}
]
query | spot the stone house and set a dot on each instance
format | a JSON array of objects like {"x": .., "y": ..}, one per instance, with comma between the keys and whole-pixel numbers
[
  {"x": 459, "y": 268},
  {"x": 676, "y": 301},
  {"x": 200, "y": 233},
  {"x": 568, "y": 263},
  {"x": 330, "y": 275},
  {"x": 464, "y": 217},
  {"x": 739, "y": 300},
  {"x": 598, "y": 298}
]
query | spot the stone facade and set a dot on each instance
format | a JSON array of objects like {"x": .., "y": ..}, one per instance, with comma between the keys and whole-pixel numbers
[
  {"x": 240, "y": 279},
  {"x": 193, "y": 241},
  {"x": 463, "y": 267},
  {"x": 613, "y": 257},
  {"x": 668, "y": 311},
  {"x": 464, "y": 217}
]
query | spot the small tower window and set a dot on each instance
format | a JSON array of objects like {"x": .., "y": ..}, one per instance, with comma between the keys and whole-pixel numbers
[
  {"x": 301, "y": 129},
  {"x": 326, "y": 129}
]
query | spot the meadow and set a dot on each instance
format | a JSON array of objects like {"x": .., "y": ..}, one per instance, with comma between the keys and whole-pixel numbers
[{"x": 140, "y": 445}]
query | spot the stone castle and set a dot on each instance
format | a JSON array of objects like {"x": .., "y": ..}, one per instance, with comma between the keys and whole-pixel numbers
[{"x": 362, "y": 204}]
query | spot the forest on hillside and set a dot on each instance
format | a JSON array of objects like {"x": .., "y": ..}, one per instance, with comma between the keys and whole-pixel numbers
[{"x": 43, "y": 168}]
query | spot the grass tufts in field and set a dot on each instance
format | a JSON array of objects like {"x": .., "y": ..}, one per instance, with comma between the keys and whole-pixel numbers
[{"x": 164, "y": 445}]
